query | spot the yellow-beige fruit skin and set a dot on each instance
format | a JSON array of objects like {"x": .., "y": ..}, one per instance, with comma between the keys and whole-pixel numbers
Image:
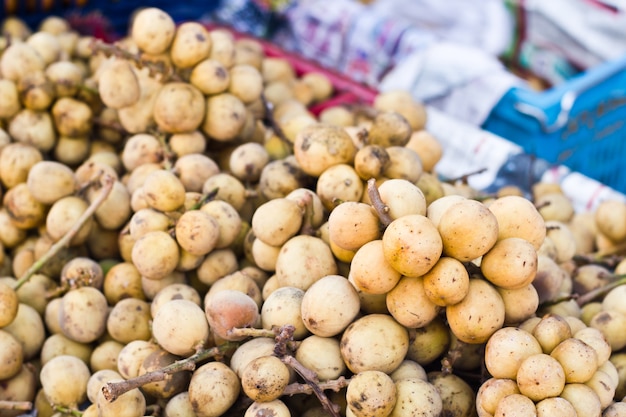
[
  {"x": 610, "y": 221},
  {"x": 9, "y": 303},
  {"x": 479, "y": 315},
  {"x": 457, "y": 396},
  {"x": 374, "y": 342},
  {"x": 191, "y": 44},
  {"x": 322, "y": 355},
  {"x": 506, "y": 349},
  {"x": 510, "y": 264},
  {"x": 468, "y": 230},
  {"x": 516, "y": 403},
  {"x": 412, "y": 245},
  {"x": 275, "y": 408},
  {"x": 12, "y": 355},
  {"x": 320, "y": 146},
  {"x": 540, "y": 376},
  {"x": 416, "y": 398},
  {"x": 556, "y": 406},
  {"x": 371, "y": 393},
  {"x": 225, "y": 117},
  {"x": 179, "y": 108},
  {"x": 55, "y": 376},
  {"x": 213, "y": 389},
  {"x": 265, "y": 378},
  {"x": 408, "y": 303},
  {"x": 329, "y": 305},
  {"x": 118, "y": 85},
  {"x": 447, "y": 283},
  {"x": 491, "y": 392},
  {"x": 369, "y": 270},
  {"x": 83, "y": 313},
  {"x": 153, "y": 30},
  {"x": 518, "y": 217},
  {"x": 183, "y": 338},
  {"x": 578, "y": 359}
]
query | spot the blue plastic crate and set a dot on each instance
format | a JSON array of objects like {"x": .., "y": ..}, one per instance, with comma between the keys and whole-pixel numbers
[
  {"x": 579, "y": 124},
  {"x": 115, "y": 12}
]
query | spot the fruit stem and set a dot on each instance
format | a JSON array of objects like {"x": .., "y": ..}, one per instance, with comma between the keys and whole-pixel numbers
[
  {"x": 308, "y": 212},
  {"x": 108, "y": 124},
  {"x": 107, "y": 182},
  {"x": 112, "y": 390},
  {"x": 67, "y": 410},
  {"x": 205, "y": 198},
  {"x": 269, "y": 117},
  {"x": 281, "y": 350},
  {"x": 166, "y": 71},
  {"x": 591, "y": 295},
  {"x": 168, "y": 155},
  {"x": 613, "y": 250},
  {"x": 239, "y": 332},
  {"x": 333, "y": 384},
  {"x": 362, "y": 138},
  {"x": 542, "y": 205},
  {"x": 85, "y": 89},
  {"x": 381, "y": 208},
  {"x": 605, "y": 259},
  {"x": 311, "y": 380},
  {"x": 154, "y": 410},
  {"x": 463, "y": 178},
  {"x": 361, "y": 110},
  {"x": 447, "y": 363},
  {"x": 16, "y": 405}
]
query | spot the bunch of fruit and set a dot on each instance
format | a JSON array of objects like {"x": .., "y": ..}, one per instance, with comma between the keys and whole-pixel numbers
[{"x": 182, "y": 236}]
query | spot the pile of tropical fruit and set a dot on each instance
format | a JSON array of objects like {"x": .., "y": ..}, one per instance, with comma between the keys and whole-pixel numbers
[{"x": 182, "y": 236}]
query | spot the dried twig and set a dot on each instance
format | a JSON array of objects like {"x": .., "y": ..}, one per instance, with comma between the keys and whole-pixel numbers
[
  {"x": 463, "y": 178},
  {"x": 107, "y": 185},
  {"x": 154, "y": 67},
  {"x": 447, "y": 363},
  {"x": 109, "y": 124},
  {"x": 334, "y": 384},
  {"x": 586, "y": 298},
  {"x": 599, "y": 258},
  {"x": 112, "y": 390},
  {"x": 282, "y": 351},
  {"x": 269, "y": 116},
  {"x": 305, "y": 202},
  {"x": 381, "y": 208}
]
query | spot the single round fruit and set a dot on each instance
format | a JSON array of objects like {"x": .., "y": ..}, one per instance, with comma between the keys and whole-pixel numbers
[
  {"x": 155, "y": 255},
  {"x": 57, "y": 372},
  {"x": 578, "y": 359},
  {"x": 329, "y": 305},
  {"x": 374, "y": 342},
  {"x": 468, "y": 230},
  {"x": 540, "y": 376},
  {"x": 371, "y": 394},
  {"x": 213, "y": 389},
  {"x": 265, "y": 378},
  {"x": 230, "y": 309},
  {"x": 447, "y": 283},
  {"x": 320, "y": 146},
  {"x": 506, "y": 349},
  {"x": 510, "y": 264},
  {"x": 321, "y": 355},
  {"x": 180, "y": 337},
  {"x": 153, "y": 30},
  {"x": 412, "y": 245},
  {"x": 479, "y": 315}
]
